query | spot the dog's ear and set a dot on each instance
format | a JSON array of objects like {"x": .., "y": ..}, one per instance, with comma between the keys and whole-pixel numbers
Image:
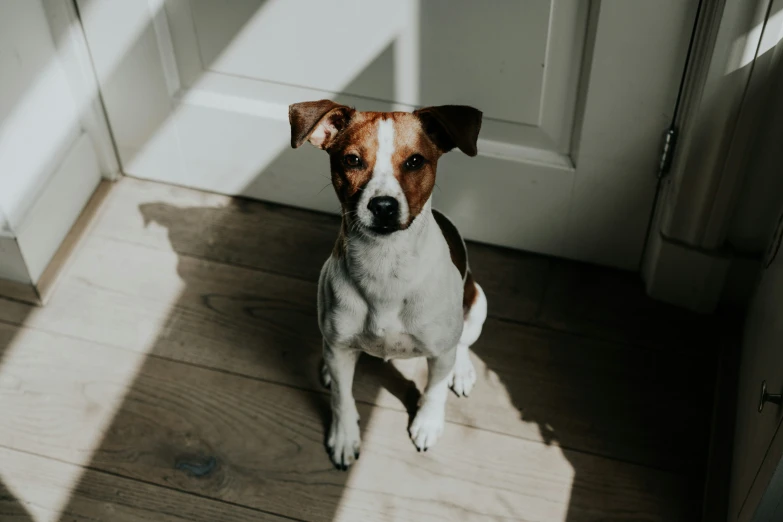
[
  {"x": 317, "y": 121},
  {"x": 452, "y": 126}
]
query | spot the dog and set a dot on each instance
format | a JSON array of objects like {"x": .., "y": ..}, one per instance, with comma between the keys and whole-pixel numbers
[{"x": 397, "y": 283}]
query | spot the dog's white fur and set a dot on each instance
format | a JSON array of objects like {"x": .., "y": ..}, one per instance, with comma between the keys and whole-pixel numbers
[{"x": 395, "y": 296}]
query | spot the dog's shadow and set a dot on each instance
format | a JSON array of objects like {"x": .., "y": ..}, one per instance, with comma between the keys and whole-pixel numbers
[{"x": 240, "y": 234}]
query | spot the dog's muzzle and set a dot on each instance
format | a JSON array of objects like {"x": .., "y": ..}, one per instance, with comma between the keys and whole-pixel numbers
[{"x": 385, "y": 211}]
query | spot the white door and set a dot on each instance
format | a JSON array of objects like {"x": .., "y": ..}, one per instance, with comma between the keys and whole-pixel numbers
[{"x": 576, "y": 97}]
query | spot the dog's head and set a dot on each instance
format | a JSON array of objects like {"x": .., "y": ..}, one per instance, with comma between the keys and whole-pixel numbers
[{"x": 383, "y": 163}]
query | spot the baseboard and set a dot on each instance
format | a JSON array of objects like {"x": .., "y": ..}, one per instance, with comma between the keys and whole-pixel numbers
[
  {"x": 25, "y": 292},
  {"x": 30, "y": 261},
  {"x": 39, "y": 293},
  {"x": 84, "y": 223},
  {"x": 12, "y": 265}
]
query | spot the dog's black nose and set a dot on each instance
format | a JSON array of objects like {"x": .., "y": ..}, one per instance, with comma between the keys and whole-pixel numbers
[{"x": 384, "y": 208}]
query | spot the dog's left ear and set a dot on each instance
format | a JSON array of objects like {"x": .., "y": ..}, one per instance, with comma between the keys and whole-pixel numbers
[
  {"x": 452, "y": 126},
  {"x": 317, "y": 121}
]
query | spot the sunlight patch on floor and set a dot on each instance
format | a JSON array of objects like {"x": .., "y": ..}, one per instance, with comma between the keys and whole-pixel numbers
[
  {"x": 525, "y": 479},
  {"x": 58, "y": 396}
]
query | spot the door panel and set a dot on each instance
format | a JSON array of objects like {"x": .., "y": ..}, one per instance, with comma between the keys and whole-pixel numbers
[
  {"x": 576, "y": 96},
  {"x": 511, "y": 36}
]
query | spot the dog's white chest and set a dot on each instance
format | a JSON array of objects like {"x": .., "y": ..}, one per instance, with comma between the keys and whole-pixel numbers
[{"x": 386, "y": 336}]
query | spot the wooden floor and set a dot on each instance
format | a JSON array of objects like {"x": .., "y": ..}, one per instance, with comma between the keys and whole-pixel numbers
[{"x": 174, "y": 376}]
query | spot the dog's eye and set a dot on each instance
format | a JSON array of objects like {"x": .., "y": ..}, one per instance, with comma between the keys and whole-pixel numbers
[
  {"x": 352, "y": 160},
  {"x": 415, "y": 162}
]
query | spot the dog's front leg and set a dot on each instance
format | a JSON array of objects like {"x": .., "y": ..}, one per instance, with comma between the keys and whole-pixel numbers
[
  {"x": 428, "y": 424},
  {"x": 344, "y": 439}
]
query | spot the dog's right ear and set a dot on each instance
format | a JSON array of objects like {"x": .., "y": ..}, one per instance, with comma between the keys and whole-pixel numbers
[{"x": 317, "y": 121}]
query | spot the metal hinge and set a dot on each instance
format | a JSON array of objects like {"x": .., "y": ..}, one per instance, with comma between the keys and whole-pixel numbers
[{"x": 667, "y": 151}]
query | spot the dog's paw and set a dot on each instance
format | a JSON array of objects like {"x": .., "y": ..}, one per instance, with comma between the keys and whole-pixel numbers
[
  {"x": 463, "y": 377},
  {"x": 344, "y": 443},
  {"x": 326, "y": 377},
  {"x": 427, "y": 426}
]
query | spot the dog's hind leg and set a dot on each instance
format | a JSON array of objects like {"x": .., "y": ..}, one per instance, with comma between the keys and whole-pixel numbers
[{"x": 463, "y": 377}]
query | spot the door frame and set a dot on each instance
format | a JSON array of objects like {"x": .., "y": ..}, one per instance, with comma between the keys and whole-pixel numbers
[
  {"x": 74, "y": 54},
  {"x": 687, "y": 262}
]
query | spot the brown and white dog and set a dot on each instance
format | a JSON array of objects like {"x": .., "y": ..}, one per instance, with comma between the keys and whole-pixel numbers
[{"x": 397, "y": 284}]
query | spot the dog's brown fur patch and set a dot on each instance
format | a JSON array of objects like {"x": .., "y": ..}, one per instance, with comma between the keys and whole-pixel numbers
[
  {"x": 459, "y": 256},
  {"x": 410, "y": 139},
  {"x": 469, "y": 294},
  {"x": 359, "y": 138}
]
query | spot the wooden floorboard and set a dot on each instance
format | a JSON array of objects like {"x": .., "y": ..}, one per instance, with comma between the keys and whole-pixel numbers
[
  {"x": 261, "y": 445},
  {"x": 181, "y": 350},
  {"x": 538, "y": 384}
]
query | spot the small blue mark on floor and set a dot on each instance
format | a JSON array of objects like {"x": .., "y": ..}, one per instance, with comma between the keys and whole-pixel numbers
[{"x": 197, "y": 467}]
